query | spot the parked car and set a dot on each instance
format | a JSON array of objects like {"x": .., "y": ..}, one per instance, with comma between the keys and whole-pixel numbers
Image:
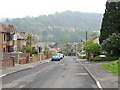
[
  {"x": 61, "y": 55},
  {"x": 55, "y": 57}
]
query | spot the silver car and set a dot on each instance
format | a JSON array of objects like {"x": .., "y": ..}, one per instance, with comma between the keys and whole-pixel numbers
[{"x": 55, "y": 57}]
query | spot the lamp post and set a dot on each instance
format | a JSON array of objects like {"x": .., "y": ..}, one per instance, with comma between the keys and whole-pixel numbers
[
  {"x": 75, "y": 49},
  {"x": 41, "y": 43},
  {"x": 40, "y": 40},
  {"x": 86, "y": 35}
]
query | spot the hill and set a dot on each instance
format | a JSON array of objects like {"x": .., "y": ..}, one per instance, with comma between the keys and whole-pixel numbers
[{"x": 66, "y": 26}]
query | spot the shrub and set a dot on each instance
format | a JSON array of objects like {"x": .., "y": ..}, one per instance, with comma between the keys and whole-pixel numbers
[
  {"x": 91, "y": 47},
  {"x": 34, "y": 50},
  {"x": 112, "y": 44},
  {"x": 108, "y": 58}
]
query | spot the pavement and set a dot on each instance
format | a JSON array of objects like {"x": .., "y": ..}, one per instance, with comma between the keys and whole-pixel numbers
[
  {"x": 103, "y": 78},
  {"x": 21, "y": 67}
]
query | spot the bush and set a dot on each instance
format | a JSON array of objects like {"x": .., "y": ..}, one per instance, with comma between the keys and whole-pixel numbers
[
  {"x": 108, "y": 58},
  {"x": 34, "y": 50},
  {"x": 91, "y": 47}
]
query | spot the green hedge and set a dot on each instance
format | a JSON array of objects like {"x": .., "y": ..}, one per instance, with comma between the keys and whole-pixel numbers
[{"x": 108, "y": 58}]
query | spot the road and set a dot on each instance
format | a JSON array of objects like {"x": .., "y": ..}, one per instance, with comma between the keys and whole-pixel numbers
[{"x": 67, "y": 73}]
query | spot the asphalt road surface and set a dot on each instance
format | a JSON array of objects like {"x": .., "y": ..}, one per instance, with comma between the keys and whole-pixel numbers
[{"x": 67, "y": 73}]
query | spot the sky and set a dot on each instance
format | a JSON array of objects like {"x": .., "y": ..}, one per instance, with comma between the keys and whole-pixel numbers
[{"x": 22, "y": 8}]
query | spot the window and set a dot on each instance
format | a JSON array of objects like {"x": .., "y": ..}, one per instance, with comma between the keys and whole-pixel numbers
[
  {"x": 8, "y": 36},
  {"x": 4, "y": 37},
  {"x": 10, "y": 48},
  {"x": 3, "y": 49}
]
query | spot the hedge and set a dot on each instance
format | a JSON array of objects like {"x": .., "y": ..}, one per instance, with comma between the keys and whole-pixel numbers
[{"x": 108, "y": 58}]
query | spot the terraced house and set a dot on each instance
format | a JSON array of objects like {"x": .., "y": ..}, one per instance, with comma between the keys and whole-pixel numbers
[{"x": 8, "y": 38}]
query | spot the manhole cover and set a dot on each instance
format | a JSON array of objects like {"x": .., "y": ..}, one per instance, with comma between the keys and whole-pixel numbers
[{"x": 81, "y": 74}]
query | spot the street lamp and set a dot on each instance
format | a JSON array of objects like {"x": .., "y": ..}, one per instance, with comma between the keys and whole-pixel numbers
[
  {"x": 86, "y": 35},
  {"x": 75, "y": 49},
  {"x": 41, "y": 43}
]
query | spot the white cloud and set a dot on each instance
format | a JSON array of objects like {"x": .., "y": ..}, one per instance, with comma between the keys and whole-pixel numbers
[{"x": 21, "y": 8}]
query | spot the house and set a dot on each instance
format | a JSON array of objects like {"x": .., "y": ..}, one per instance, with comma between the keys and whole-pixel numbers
[
  {"x": 95, "y": 39},
  {"x": 8, "y": 38},
  {"x": 21, "y": 37}
]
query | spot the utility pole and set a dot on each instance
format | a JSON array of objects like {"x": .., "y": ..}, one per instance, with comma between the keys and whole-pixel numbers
[
  {"x": 41, "y": 46},
  {"x": 86, "y": 35},
  {"x": 76, "y": 49}
]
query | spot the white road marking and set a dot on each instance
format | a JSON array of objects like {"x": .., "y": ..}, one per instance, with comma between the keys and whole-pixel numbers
[
  {"x": 86, "y": 62},
  {"x": 62, "y": 64},
  {"x": 21, "y": 86},
  {"x": 38, "y": 72},
  {"x": 81, "y": 74},
  {"x": 3, "y": 75}
]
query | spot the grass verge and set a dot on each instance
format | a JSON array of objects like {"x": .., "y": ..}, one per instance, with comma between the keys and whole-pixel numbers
[{"x": 113, "y": 67}]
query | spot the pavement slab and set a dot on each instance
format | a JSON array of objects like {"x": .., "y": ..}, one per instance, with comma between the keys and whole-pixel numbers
[{"x": 106, "y": 78}]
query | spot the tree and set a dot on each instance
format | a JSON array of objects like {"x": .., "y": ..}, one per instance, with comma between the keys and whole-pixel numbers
[
  {"x": 111, "y": 20},
  {"x": 112, "y": 44},
  {"x": 91, "y": 47},
  {"x": 87, "y": 46},
  {"x": 29, "y": 41}
]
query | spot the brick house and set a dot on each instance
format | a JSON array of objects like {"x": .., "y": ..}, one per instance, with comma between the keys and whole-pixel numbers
[
  {"x": 3, "y": 42},
  {"x": 8, "y": 38}
]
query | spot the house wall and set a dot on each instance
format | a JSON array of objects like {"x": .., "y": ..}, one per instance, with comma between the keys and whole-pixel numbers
[
  {"x": 15, "y": 41},
  {"x": 3, "y": 42},
  {"x": 96, "y": 40},
  {"x": 12, "y": 43},
  {"x": 20, "y": 44},
  {"x": 1, "y": 49}
]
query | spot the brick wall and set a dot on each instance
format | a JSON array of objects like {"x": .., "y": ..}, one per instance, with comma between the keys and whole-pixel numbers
[
  {"x": 37, "y": 57},
  {"x": 19, "y": 58},
  {"x": 7, "y": 62},
  {"x": 24, "y": 58}
]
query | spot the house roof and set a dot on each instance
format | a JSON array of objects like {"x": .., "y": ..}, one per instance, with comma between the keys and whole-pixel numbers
[
  {"x": 5, "y": 28},
  {"x": 21, "y": 35},
  {"x": 1, "y": 28},
  {"x": 94, "y": 37}
]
